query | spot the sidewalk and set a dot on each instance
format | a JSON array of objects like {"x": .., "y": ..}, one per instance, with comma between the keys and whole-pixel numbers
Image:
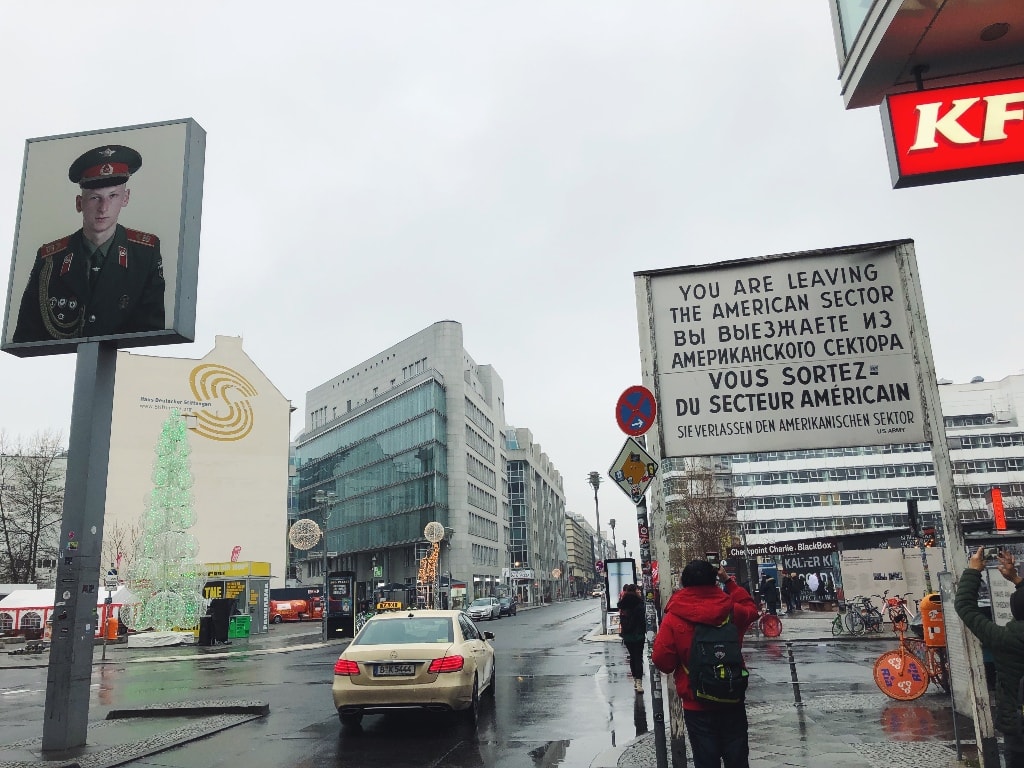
[{"x": 807, "y": 735}]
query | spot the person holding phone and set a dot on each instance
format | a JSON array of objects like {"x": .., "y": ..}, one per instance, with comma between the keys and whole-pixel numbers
[{"x": 1006, "y": 644}]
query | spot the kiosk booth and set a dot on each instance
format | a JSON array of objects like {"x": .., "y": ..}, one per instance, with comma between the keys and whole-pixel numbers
[
  {"x": 341, "y": 610},
  {"x": 244, "y": 586}
]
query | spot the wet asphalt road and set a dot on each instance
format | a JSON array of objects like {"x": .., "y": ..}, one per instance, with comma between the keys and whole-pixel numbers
[{"x": 558, "y": 701}]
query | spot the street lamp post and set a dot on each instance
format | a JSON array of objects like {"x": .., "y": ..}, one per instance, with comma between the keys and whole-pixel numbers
[
  {"x": 325, "y": 500},
  {"x": 615, "y": 548},
  {"x": 594, "y": 478}
]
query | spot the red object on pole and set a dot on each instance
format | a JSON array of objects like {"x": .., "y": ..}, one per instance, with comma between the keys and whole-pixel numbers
[{"x": 995, "y": 497}]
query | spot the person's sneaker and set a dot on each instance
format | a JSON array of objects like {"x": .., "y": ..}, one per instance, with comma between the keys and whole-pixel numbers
[{"x": 638, "y": 685}]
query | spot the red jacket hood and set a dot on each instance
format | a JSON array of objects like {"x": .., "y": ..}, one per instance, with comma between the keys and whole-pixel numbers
[{"x": 701, "y": 605}]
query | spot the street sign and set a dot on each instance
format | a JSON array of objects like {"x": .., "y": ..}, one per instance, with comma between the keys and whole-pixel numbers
[
  {"x": 636, "y": 410},
  {"x": 634, "y": 470},
  {"x": 110, "y": 582}
]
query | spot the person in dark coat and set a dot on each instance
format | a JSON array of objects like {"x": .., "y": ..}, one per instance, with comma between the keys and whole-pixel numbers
[
  {"x": 633, "y": 630},
  {"x": 787, "y": 592},
  {"x": 1005, "y": 643},
  {"x": 771, "y": 595},
  {"x": 717, "y": 732}
]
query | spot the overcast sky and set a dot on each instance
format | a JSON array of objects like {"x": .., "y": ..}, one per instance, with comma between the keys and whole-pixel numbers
[{"x": 373, "y": 168}]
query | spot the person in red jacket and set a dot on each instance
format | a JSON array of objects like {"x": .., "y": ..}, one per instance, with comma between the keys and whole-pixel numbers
[{"x": 718, "y": 733}]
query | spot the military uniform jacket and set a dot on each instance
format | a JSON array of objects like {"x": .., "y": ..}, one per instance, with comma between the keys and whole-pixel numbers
[{"x": 127, "y": 297}]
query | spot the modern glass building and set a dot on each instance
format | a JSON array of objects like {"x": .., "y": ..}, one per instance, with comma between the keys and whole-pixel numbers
[
  {"x": 538, "y": 562},
  {"x": 406, "y": 438}
]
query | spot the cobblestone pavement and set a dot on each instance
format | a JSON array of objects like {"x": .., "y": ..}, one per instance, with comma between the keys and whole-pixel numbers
[{"x": 836, "y": 730}]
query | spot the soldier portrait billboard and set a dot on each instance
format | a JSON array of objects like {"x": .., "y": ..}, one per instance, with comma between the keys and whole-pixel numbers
[{"x": 106, "y": 245}]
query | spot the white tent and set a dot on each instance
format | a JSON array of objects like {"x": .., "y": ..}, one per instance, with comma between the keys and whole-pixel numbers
[{"x": 31, "y": 608}]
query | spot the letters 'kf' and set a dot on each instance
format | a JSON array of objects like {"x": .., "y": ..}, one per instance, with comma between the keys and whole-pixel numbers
[{"x": 997, "y": 115}]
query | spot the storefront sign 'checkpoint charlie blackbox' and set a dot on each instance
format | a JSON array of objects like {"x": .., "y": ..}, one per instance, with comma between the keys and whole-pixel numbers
[{"x": 818, "y": 349}]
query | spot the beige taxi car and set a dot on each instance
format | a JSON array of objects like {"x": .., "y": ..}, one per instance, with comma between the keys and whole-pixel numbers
[{"x": 414, "y": 659}]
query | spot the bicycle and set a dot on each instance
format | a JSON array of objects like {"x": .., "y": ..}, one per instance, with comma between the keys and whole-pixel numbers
[
  {"x": 904, "y": 674},
  {"x": 767, "y": 624},
  {"x": 862, "y": 616},
  {"x": 838, "y": 623}
]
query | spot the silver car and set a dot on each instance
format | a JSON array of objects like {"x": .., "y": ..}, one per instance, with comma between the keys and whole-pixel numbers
[{"x": 484, "y": 608}]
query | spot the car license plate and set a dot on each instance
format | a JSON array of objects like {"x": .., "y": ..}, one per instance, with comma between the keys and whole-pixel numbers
[{"x": 392, "y": 670}]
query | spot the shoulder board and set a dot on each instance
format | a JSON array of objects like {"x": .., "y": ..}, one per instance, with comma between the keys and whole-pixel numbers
[
  {"x": 51, "y": 248},
  {"x": 142, "y": 238}
]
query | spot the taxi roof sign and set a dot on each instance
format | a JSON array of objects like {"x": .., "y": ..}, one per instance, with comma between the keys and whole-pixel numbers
[{"x": 633, "y": 470}]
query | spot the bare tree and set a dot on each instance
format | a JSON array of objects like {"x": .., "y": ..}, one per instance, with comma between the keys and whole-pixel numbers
[
  {"x": 700, "y": 513},
  {"x": 31, "y": 504},
  {"x": 119, "y": 542}
]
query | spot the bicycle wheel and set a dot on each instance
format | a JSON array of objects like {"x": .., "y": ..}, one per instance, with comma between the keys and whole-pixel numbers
[
  {"x": 901, "y": 675},
  {"x": 854, "y": 622},
  {"x": 936, "y": 662},
  {"x": 837, "y": 625},
  {"x": 771, "y": 625}
]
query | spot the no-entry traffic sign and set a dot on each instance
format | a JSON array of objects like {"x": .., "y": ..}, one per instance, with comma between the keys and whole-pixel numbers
[{"x": 636, "y": 410}]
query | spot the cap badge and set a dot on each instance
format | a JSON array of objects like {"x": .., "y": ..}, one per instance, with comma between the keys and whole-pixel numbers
[
  {"x": 106, "y": 151},
  {"x": 106, "y": 169}
]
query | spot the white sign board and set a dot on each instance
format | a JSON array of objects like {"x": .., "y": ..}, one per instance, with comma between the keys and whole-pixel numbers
[{"x": 797, "y": 351}]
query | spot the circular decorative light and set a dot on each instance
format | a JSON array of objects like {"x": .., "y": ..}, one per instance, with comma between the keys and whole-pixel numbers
[
  {"x": 556, "y": 573},
  {"x": 433, "y": 532},
  {"x": 304, "y": 534}
]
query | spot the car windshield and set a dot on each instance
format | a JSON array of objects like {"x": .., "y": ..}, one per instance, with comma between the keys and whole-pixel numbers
[
  {"x": 406, "y": 631},
  {"x": 505, "y": 600},
  {"x": 483, "y": 601}
]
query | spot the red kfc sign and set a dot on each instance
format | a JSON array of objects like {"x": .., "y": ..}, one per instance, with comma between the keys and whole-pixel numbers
[{"x": 954, "y": 134}]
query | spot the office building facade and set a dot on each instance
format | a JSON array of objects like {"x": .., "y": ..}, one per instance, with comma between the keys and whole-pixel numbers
[
  {"x": 826, "y": 492},
  {"x": 411, "y": 436}
]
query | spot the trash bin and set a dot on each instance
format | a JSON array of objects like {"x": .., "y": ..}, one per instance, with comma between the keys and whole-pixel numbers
[
  {"x": 112, "y": 628},
  {"x": 239, "y": 627},
  {"x": 932, "y": 623},
  {"x": 205, "y": 630}
]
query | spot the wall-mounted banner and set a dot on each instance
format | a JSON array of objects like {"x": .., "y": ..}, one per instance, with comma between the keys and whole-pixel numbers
[
  {"x": 805, "y": 350},
  {"x": 953, "y": 134},
  {"x": 786, "y": 548}
]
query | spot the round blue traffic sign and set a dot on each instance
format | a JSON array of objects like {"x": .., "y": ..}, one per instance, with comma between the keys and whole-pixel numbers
[{"x": 636, "y": 410}]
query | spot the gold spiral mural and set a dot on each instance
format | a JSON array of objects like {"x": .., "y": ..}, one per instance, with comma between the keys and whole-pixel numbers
[{"x": 230, "y": 392}]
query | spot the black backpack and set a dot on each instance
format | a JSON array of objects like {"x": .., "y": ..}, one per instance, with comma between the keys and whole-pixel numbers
[{"x": 716, "y": 672}]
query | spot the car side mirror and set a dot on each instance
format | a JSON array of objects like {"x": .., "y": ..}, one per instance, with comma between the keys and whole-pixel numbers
[{"x": 488, "y": 635}]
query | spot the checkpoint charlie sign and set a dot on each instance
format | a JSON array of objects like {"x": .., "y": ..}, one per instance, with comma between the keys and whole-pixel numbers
[{"x": 805, "y": 350}]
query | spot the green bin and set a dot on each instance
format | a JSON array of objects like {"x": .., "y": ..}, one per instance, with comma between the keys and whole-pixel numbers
[{"x": 239, "y": 626}]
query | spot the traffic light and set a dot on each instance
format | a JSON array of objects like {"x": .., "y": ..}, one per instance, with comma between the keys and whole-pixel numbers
[{"x": 915, "y": 522}]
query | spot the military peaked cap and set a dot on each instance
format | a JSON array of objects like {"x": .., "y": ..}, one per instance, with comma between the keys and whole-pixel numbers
[{"x": 105, "y": 166}]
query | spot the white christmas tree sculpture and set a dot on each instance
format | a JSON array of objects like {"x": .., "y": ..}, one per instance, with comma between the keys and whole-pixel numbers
[{"x": 164, "y": 576}]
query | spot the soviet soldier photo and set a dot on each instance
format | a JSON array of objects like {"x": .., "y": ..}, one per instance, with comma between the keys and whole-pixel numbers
[{"x": 104, "y": 279}]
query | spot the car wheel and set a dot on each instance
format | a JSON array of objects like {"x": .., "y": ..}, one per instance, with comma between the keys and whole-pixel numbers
[
  {"x": 350, "y": 718},
  {"x": 473, "y": 710},
  {"x": 277, "y": 619}
]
